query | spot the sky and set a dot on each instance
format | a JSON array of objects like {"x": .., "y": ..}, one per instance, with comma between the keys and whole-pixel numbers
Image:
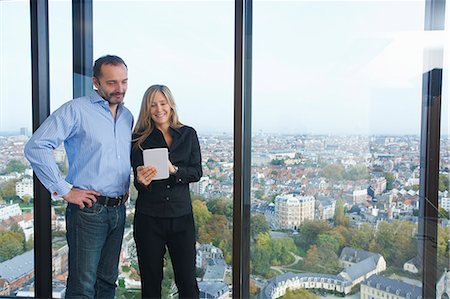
[{"x": 319, "y": 67}]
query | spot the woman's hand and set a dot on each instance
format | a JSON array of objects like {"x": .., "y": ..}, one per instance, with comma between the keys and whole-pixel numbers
[{"x": 145, "y": 174}]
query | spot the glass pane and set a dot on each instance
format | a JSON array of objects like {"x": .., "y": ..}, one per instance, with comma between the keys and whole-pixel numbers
[
  {"x": 442, "y": 287},
  {"x": 16, "y": 184},
  {"x": 189, "y": 47},
  {"x": 336, "y": 134},
  {"x": 60, "y": 43}
]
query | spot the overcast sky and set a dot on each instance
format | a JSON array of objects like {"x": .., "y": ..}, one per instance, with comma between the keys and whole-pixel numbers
[{"x": 334, "y": 67}]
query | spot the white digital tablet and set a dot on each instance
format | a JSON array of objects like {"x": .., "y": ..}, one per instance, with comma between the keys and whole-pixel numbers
[{"x": 158, "y": 157}]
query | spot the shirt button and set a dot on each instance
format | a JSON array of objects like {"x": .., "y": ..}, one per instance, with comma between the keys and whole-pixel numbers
[
  {"x": 167, "y": 198},
  {"x": 168, "y": 186},
  {"x": 179, "y": 180}
]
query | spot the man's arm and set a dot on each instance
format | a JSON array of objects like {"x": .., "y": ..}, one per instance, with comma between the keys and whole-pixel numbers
[
  {"x": 59, "y": 126},
  {"x": 39, "y": 149}
]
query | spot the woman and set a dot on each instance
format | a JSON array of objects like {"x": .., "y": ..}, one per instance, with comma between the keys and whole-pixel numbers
[{"x": 163, "y": 209}]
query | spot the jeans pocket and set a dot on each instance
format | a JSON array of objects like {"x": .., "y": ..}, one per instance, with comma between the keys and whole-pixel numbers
[{"x": 96, "y": 209}]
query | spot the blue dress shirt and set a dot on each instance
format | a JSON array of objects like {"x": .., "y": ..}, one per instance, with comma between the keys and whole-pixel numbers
[{"x": 98, "y": 147}]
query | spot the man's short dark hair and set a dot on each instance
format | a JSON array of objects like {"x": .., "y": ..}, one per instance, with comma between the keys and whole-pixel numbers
[{"x": 107, "y": 59}]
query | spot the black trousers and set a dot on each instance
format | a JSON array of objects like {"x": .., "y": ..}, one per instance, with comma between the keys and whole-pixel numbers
[{"x": 152, "y": 235}]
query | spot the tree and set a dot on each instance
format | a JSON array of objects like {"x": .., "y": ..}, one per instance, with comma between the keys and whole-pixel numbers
[
  {"x": 312, "y": 258},
  {"x": 389, "y": 180},
  {"x": 333, "y": 172},
  {"x": 309, "y": 231},
  {"x": 217, "y": 231},
  {"x": 443, "y": 214},
  {"x": 221, "y": 206},
  {"x": 258, "y": 225},
  {"x": 395, "y": 241},
  {"x": 201, "y": 213},
  {"x": 328, "y": 241},
  {"x": 277, "y": 162},
  {"x": 321, "y": 260},
  {"x": 444, "y": 182},
  {"x": 129, "y": 220},
  {"x": 299, "y": 293},
  {"x": 259, "y": 193},
  {"x": 8, "y": 189},
  {"x": 357, "y": 172},
  {"x": 15, "y": 166},
  {"x": 362, "y": 236},
  {"x": 339, "y": 215},
  {"x": 11, "y": 245}
]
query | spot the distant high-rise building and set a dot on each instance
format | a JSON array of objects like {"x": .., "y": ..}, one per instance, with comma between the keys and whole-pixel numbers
[
  {"x": 292, "y": 210},
  {"x": 24, "y": 131}
]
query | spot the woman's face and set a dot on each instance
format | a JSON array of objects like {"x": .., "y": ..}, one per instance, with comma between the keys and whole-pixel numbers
[{"x": 160, "y": 110}]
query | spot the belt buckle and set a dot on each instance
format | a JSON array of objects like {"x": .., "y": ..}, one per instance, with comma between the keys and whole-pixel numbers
[{"x": 118, "y": 200}]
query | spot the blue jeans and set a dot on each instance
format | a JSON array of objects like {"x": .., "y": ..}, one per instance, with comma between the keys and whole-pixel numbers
[{"x": 94, "y": 236}]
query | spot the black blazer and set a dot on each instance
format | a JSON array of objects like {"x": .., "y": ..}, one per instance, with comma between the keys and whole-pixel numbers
[{"x": 169, "y": 197}]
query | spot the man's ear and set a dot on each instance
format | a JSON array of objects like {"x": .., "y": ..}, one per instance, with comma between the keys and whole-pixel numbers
[{"x": 95, "y": 82}]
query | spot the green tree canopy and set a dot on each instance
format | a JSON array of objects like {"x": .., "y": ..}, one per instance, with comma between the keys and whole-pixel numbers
[
  {"x": 444, "y": 182},
  {"x": 389, "y": 180},
  {"x": 201, "y": 213},
  {"x": 258, "y": 225},
  {"x": 15, "y": 166},
  {"x": 339, "y": 216},
  {"x": 309, "y": 231},
  {"x": 221, "y": 206},
  {"x": 11, "y": 245},
  {"x": 333, "y": 172},
  {"x": 356, "y": 172},
  {"x": 362, "y": 236}
]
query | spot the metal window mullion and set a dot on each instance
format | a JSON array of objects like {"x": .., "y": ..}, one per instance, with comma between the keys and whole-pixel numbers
[
  {"x": 41, "y": 109},
  {"x": 238, "y": 146},
  {"x": 242, "y": 148},
  {"x": 429, "y": 151},
  {"x": 82, "y": 46}
]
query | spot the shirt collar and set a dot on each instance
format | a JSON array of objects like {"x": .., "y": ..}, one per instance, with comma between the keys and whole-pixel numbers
[
  {"x": 177, "y": 130},
  {"x": 96, "y": 98}
]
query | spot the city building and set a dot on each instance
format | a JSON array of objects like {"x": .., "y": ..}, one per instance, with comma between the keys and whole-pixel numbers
[
  {"x": 292, "y": 210},
  {"x": 213, "y": 290},
  {"x": 325, "y": 207},
  {"x": 206, "y": 252},
  {"x": 380, "y": 287},
  {"x": 359, "y": 196},
  {"x": 24, "y": 187},
  {"x": 413, "y": 265},
  {"x": 18, "y": 271},
  {"x": 10, "y": 210}
]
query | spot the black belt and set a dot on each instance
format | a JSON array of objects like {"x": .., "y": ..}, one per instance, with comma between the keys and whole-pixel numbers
[{"x": 110, "y": 201}]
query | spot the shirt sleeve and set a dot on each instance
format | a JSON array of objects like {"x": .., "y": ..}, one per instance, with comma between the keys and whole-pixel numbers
[
  {"x": 39, "y": 149},
  {"x": 193, "y": 171},
  {"x": 137, "y": 160}
]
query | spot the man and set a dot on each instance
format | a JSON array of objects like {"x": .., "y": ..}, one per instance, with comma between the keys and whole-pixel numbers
[{"x": 96, "y": 131}]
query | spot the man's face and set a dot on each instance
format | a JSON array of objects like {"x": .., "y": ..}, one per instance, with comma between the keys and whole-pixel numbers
[{"x": 112, "y": 83}]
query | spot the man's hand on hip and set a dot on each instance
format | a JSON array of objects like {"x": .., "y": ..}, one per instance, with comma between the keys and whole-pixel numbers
[{"x": 81, "y": 197}]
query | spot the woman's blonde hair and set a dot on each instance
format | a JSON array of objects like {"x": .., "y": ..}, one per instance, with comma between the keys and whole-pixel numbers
[{"x": 145, "y": 124}]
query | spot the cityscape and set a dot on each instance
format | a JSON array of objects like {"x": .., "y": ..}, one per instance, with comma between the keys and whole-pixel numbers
[{"x": 331, "y": 215}]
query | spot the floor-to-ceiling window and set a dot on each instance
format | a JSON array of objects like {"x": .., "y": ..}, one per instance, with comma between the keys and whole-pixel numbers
[
  {"x": 60, "y": 48},
  {"x": 187, "y": 46},
  {"x": 336, "y": 132},
  {"x": 16, "y": 184},
  {"x": 336, "y": 147}
]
